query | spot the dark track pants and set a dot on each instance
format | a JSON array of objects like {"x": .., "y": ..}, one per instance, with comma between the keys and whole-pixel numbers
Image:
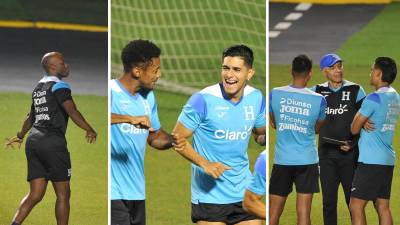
[{"x": 335, "y": 171}]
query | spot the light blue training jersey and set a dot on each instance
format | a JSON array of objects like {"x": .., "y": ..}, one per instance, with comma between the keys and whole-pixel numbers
[
  {"x": 128, "y": 143},
  {"x": 258, "y": 185},
  {"x": 382, "y": 107},
  {"x": 296, "y": 111},
  {"x": 221, "y": 133}
]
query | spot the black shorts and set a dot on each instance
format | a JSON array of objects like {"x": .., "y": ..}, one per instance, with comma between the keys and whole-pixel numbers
[
  {"x": 128, "y": 212},
  {"x": 305, "y": 178},
  {"x": 48, "y": 158},
  {"x": 372, "y": 181},
  {"x": 227, "y": 213}
]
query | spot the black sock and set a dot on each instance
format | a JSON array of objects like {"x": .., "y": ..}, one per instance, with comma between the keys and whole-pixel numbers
[{"x": 15, "y": 223}]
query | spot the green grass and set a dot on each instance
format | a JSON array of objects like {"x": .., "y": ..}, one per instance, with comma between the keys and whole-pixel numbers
[
  {"x": 378, "y": 38},
  {"x": 89, "y": 165},
  {"x": 168, "y": 174},
  {"x": 64, "y": 11}
]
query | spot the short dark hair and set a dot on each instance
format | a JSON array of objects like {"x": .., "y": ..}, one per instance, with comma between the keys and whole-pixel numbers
[
  {"x": 301, "y": 65},
  {"x": 242, "y": 51},
  {"x": 139, "y": 53},
  {"x": 388, "y": 67}
]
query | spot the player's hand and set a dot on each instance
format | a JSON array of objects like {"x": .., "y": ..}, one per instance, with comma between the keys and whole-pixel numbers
[
  {"x": 10, "y": 142},
  {"x": 91, "y": 136},
  {"x": 347, "y": 147},
  {"x": 261, "y": 140},
  {"x": 369, "y": 126},
  {"x": 178, "y": 142},
  {"x": 142, "y": 122},
  {"x": 215, "y": 169}
]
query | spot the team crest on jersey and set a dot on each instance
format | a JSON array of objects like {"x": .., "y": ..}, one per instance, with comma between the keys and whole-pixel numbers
[
  {"x": 345, "y": 95},
  {"x": 249, "y": 112}
]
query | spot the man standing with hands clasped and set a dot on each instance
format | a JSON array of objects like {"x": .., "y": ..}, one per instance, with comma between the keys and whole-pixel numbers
[{"x": 337, "y": 148}]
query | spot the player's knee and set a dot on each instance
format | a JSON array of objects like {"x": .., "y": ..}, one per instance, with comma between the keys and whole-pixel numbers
[
  {"x": 303, "y": 212},
  {"x": 356, "y": 209},
  {"x": 64, "y": 195},
  {"x": 35, "y": 197},
  {"x": 273, "y": 220},
  {"x": 382, "y": 207}
]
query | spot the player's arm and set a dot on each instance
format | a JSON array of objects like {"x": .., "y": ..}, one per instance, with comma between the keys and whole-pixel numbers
[
  {"x": 318, "y": 125},
  {"x": 370, "y": 104},
  {"x": 259, "y": 135},
  {"x": 70, "y": 107},
  {"x": 358, "y": 122},
  {"x": 139, "y": 121},
  {"x": 259, "y": 126},
  {"x": 26, "y": 126},
  {"x": 369, "y": 125},
  {"x": 272, "y": 120},
  {"x": 214, "y": 169},
  {"x": 62, "y": 92},
  {"x": 321, "y": 116},
  {"x": 161, "y": 140},
  {"x": 253, "y": 204}
]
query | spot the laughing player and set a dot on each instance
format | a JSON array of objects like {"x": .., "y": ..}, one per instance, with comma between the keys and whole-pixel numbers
[{"x": 221, "y": 119}]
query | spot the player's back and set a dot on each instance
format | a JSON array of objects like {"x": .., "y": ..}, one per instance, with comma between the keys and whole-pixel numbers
[
  {"x": 382, "y": 108},
  {"x": 296, "y": 112},
  {"x": 48, "y": 115}
]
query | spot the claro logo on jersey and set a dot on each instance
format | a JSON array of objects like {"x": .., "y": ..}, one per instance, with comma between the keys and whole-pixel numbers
[
  {"x": 130, "y": 129},
  {"x": 335, "y": 111},
  {"x": 233, "y": 135}
]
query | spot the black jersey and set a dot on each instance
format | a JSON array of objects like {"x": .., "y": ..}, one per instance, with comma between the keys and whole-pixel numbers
[
  {"x": 48, "y": 115},
  {"x": 342, "y": 106}
]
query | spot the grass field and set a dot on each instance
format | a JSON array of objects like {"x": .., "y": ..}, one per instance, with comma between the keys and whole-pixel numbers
[
  {"x": 89, "y": 163},
  {"x": 378, "y": 38}
]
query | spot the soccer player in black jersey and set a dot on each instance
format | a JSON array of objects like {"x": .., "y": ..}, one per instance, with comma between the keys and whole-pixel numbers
[
  {"x": 337, "y": 160},
  {"x": 46, "y": 148}
]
